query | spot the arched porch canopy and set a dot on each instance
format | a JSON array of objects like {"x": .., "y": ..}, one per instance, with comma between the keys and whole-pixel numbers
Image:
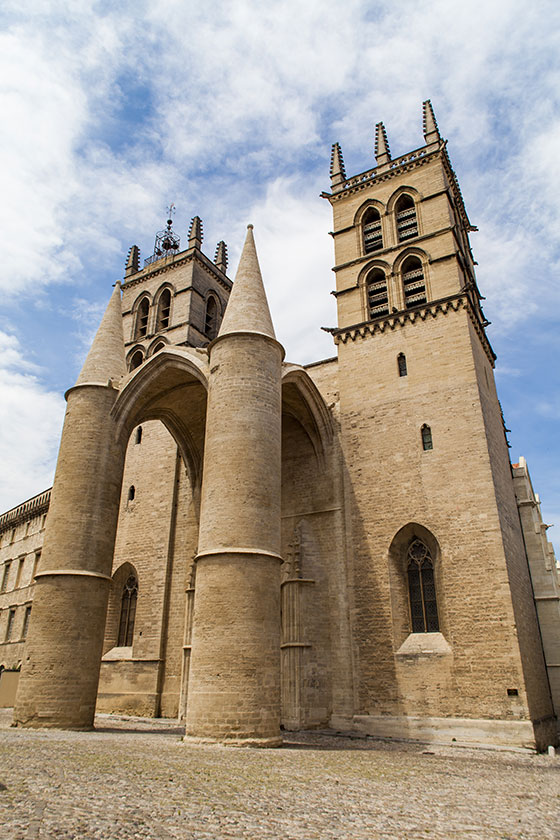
[
  {"x": 170, "y": 386},
  {"x": 302, "y": 401}
]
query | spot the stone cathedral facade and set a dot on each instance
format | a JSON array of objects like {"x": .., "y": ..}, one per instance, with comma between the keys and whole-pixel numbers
[{"x": 249, "y": 544}]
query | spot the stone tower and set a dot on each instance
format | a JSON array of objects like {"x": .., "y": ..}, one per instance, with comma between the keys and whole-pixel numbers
[
  {"x": 427, "y": 457},
  {"x": 234, "y": 682},
  {"x": 58, "y": 685}
]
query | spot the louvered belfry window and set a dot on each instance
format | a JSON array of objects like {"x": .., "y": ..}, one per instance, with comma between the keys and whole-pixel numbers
[
  {"x": 414, "y": 283},
  {"x": 142, "y": 318},
  {"x": 373, "y": 235},
  {"x": 422, "y": 589},
  {"x": 407, "y": 223},
  {"x": 378, "y": 301},
  {"x": 164, "y": 309},
  {"x": 211, "y": 318},
  {"x": 128, "y": 612}
]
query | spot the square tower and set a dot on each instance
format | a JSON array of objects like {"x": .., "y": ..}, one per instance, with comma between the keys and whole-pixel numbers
[{"x": 444, "y": 623}]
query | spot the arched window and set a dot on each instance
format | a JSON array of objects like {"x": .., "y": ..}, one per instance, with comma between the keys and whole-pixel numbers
[
  {"x": 163, "y": 311},
  {"x": 422, "y": 589},
  {"x": 376, "y": 285},
  {"x": 142, "y": 318},
  {"x": 211, "y": 318},
  {"x": 131, "y": 493},
  {"x": 158, "y": 347},
  {"x": 401, "y": 363},
  {"x": 427, "y": 442},
  {"x": 138, "y": 435},
  {"x": 407, "y": 223},
  {"x": 414, "y": 284},
  {"x": 128, "y": 612},
  {"x": 136, "y": 360},
  {"x": 373, "y": 235}
]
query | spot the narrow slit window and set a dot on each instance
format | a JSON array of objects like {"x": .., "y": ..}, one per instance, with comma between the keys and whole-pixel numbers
[
  {"x": 35, "y": 565},
  {"x": 131, "y": 493},
  {"x": 25, "y": 627},
  {"x": 373, "y": 234},
  {"x": 407, "y": 223},
  {"x": 19, "y": 571},
  {"x": 138, "y": 435},
  {"x": 10, "y": 624},
  {"x": 414, "y": 283},
  {"x": 401, "y": 363},
  {"x": 164, "y": 310},
  {"x": 377, "y": 295},
  {"x": 427, "y": 442},
  {"x": 128, "y": 612},
  {"x": 421, "y": 589},
  {"x": 5, "y": 576}
]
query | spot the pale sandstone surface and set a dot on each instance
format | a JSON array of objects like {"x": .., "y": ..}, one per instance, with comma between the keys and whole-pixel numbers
[{"x": 133, "y": 778}]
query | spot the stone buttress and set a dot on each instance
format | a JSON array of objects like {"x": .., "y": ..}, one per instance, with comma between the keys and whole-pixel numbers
[
  {"x": 234, "y": 683},
  {"x": 58, "y": 685}
]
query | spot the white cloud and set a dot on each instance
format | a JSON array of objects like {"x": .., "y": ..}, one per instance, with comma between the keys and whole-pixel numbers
[
  {"x": 234, "y": 107},
  {"x": 296, "y": 255},
  {"x": 31, "y": 421}
]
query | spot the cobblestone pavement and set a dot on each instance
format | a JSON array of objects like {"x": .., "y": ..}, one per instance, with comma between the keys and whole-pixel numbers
[{"x": 134, "y": 778}]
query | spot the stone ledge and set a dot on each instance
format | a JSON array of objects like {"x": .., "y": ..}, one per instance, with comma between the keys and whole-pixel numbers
[{"x": 461, "y": 731}]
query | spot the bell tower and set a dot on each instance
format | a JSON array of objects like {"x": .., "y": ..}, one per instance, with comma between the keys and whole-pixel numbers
[
  {"x": 428, "y": 470},
  {"x": 401, "y": 235}
]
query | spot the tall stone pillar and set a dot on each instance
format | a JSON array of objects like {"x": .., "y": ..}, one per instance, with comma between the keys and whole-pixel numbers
[
  {"x": 234, "y": 683},
  {"x": 60, "y": 672}
]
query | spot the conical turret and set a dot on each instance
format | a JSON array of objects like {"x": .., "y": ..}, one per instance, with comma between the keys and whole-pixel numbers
[
  {"x": 234, "y": 674},
  {"x": 106, "y": 358},
  {"x": 247, "y": 309}
]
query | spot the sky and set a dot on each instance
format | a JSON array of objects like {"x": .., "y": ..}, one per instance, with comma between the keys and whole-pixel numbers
[{"x": 113, "y": 110}]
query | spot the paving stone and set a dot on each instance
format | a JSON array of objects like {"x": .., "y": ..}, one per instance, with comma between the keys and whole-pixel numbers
[{"x": 135, "y": 779}]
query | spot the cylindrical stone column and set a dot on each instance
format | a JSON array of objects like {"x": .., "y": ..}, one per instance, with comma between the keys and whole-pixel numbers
[
  {"x": 234, "y": 683},
  {"x": 60, "y": 672}
]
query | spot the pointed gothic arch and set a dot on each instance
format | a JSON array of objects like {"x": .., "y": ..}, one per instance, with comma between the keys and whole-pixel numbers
[
  {"x": 170, "y": 386},
  {"x": 415, "y": 571},
  {"x": 124, "y": 592}
]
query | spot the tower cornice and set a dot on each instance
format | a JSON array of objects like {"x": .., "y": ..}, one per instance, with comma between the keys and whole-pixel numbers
[
  {"x": 397, "y": 320},
  {"x": 165, "y": 264},
  {"x": 404, "y": 163}
]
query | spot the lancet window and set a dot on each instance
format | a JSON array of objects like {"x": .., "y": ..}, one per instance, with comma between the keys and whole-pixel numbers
[
  {"x": 422, "y": 589},
  {"x": 211, "y": 318},
  {"x": 378, "y": 300},
  {"x": 164, "y": 310},
  {"x": 142, "y": 318},
  {"x": 373, "y": 235},
  {"x": 128, "y": 612},
  {"x": 136, "y": 360},
  {"x": 407, "y": 223},
  {"x": 414, "y": 283},
  {"x": 401, "y": 364},
  {"x": 427, "y": 442}
]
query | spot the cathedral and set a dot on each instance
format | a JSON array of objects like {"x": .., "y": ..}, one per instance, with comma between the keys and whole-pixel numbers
[{"x": 250, "y": 545}]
